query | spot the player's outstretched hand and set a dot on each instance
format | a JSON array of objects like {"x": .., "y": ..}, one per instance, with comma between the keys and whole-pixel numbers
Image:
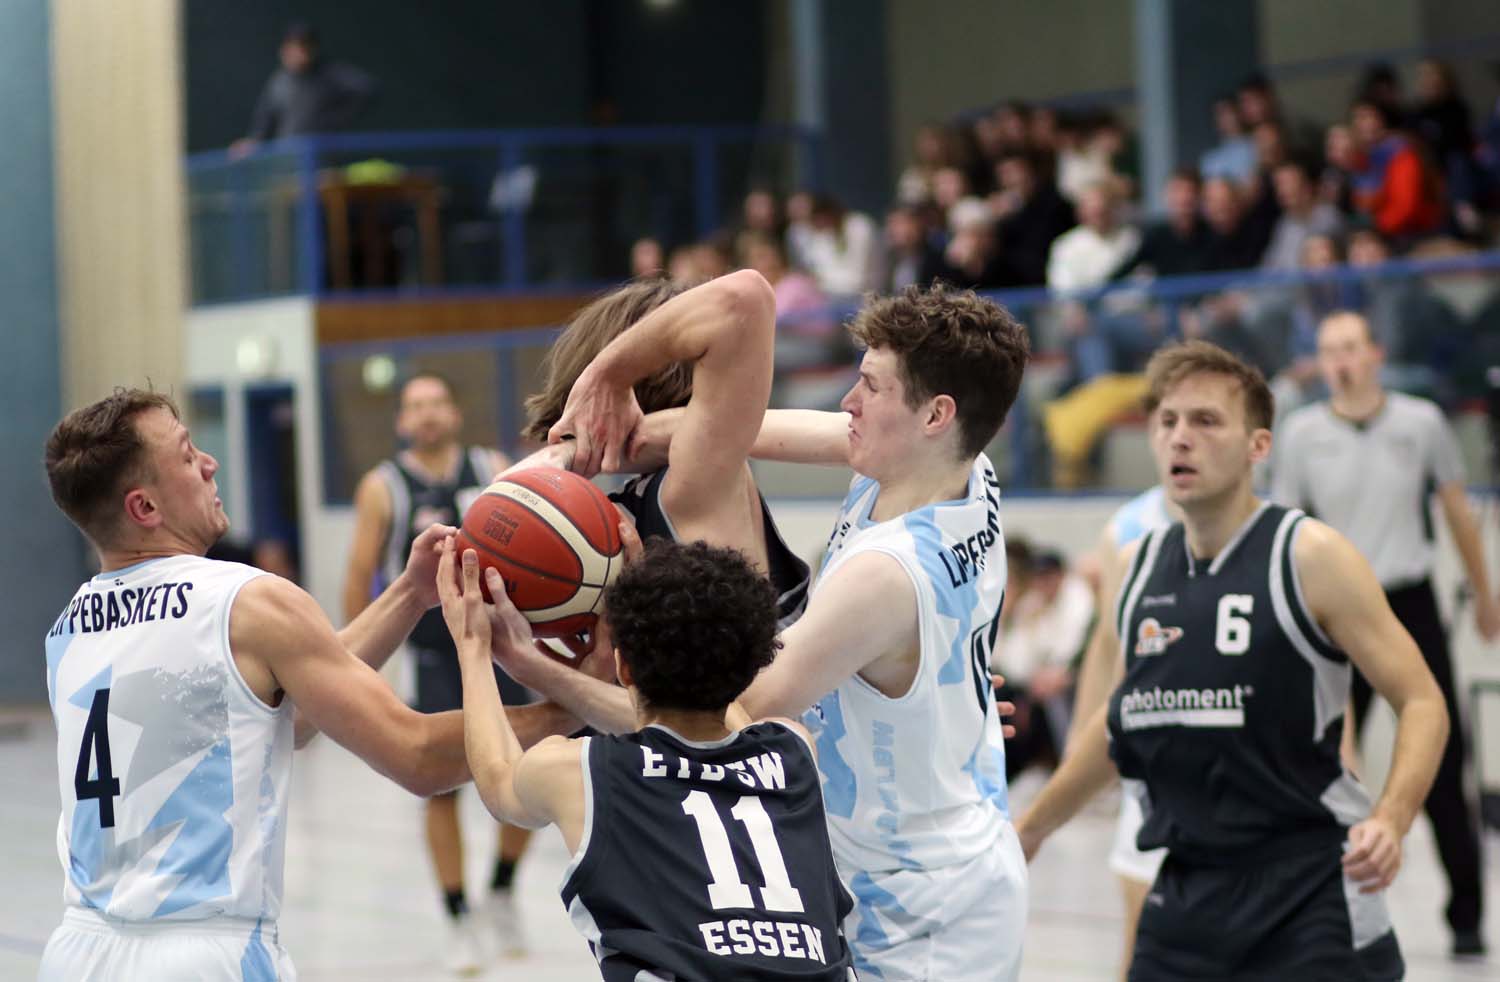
[
  {"x": 1374, "y": 854},
  {"x": 600, "y": 416},
  {"x": 1004, "y": 708},
  {"x": 422, "y": 562}
]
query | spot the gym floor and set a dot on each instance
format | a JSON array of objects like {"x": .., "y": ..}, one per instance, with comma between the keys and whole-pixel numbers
[{"x": 361, "y": 904}]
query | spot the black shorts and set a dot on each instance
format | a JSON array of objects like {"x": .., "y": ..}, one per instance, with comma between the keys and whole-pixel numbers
[
  {"x": 440, "y": 685},
  {"x": 1285, "y": 919}
]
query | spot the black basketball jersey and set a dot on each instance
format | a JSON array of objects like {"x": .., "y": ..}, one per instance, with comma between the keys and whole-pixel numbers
[
  {"x": 1232, "y": 704},
  {"x": 417, "y": 502},
  {"x": 707, "y": 861},
  {"x": 788, "y": 573}
]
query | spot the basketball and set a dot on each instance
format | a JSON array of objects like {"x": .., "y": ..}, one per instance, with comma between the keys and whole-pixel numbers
[{"x": 554, "y": 539}]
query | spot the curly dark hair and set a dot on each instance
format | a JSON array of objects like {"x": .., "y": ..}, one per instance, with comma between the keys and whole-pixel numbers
[{"x": 694, "y": 623}]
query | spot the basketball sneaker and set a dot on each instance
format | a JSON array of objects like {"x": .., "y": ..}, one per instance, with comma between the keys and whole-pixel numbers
[
  {"x": 462, "y": 954},
  {"x": 505, "y": 923}
]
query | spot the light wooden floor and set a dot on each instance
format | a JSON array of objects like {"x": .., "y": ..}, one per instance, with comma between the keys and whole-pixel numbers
[{"x": 360, "y": 903}]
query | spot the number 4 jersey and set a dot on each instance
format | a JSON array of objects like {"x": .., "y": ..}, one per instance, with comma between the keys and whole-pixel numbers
[
  {"x": 707, "y": 860},
  {"x": 173, "y": 775}
]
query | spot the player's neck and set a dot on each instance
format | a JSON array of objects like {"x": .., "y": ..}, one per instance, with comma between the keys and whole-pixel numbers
[
  {"x": 920, "y": 486},
  {"x": 436, "y": 462},
  {"x": 699, "y": 727},
  {"x": 1358, "y": 405},
  {"x": 1211, "y": 525},
  {"x": 130, "y": 554}
]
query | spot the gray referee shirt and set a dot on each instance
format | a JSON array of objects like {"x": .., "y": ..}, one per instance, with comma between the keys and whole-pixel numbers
[{"x": 1372, "y": 481}]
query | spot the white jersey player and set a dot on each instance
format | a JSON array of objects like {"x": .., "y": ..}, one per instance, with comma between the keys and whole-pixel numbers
[
  {"x": 893, "y": 644},
  {"x": 171, "y": 679}
]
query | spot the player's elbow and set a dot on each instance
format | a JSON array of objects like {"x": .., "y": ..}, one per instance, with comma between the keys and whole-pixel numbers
[{"x": 750, "y": 298}]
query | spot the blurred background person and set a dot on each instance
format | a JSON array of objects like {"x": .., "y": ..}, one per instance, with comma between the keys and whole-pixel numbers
[{"x": 307, "y": 94}]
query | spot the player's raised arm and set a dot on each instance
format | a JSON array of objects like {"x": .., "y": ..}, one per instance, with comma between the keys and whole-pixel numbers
[
  {"x": 372, "y": 521},
  {"x": 862, "y": 620},
  {"x": 795, "y": 436},
  {"x": 495, "y": 754},
  {"x": 1345, "y": 598},
  {"x": 725, "y": 329}
]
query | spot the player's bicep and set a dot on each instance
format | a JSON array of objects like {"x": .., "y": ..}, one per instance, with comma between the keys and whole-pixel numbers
[
  {"x": 865, "y": 611},
  {"x": 372, "y": 516},
  {"x": 1346, "y": 600},
  {"x": 279, "y": 625}
]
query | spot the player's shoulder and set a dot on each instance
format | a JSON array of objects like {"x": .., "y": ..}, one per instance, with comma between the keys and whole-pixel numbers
[
  {"x": 1318, "y": 546},
  {"x": 1301, "y": 419},
  {"x": 792, "y": 726},
  {"x": 554, "y": 750},
  {"x": 1423, "y": 411}
]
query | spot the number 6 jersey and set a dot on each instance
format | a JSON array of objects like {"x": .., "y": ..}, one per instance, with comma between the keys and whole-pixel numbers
[
  {"x": 173, "y": 775},
  {"x": 706, "y": 861},
  {"x": 1233, "y": 699}
]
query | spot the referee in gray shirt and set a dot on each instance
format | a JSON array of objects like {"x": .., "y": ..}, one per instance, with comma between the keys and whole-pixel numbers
[{"x": 1367, "y": 462}]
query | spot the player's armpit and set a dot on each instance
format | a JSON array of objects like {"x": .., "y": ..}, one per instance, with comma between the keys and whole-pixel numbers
[
  {"x": 863, "y": 619},
  {"x": 277, "y": 630}
]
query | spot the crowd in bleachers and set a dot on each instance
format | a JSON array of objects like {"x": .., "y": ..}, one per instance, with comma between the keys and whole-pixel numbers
[{"x": 1031, "y": 196}]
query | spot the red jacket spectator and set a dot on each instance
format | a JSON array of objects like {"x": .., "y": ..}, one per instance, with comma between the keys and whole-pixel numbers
[{"x": 1395, "y": 187}]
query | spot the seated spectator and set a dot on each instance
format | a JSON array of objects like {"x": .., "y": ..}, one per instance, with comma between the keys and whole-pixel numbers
[
  {"x": 646, "y": 258},
  {"x": 909, "y": 258},
  {"x": 699, "y": 262},
  {"x": 949, "y": 186},
  {"x": 1395, "y": 187},
  {"x": 932, "y": 150},
  {"x": 1341, "y": 160},
  {"x": 1177, "y": 245},
  {"x": 1042, "y": 137},
  {"x": 1302, "y": 216},
  {"x": 1262, "y": 208},
  {"x": 761, "y": 212},
  {"x": 1379, "y": 84},
  {"x": 1257, "y": 103},
  {"x": 1419, "y": 332},
  {"x": 1032, "y": 213},
  {"x": 1035, "y": 650},
  {"x": 838, "y": 247},
  {"x": 797, "y": 296},
  {"x": 1083, "y": 258},
  {"x": 1089, "y": 155},
  {"x": 1232, "y": 243},
  {"x": 1441, "y": 120},
  {"x": 1299, "y": 382},
  {"x": 1233, "y": 157},
  {"x": 972, "y": 259}
]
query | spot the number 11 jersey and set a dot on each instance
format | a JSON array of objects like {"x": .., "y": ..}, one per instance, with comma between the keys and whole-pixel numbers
[{"x": 707, "y": 860}]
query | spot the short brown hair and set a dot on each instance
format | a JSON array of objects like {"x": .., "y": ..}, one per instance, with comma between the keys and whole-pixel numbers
[
  {"x": 591, "y": 329},
  {"x": 95, "y": 453},
  {"x": 951, "y": 342},
  {"x": 1176, "y": 362}
]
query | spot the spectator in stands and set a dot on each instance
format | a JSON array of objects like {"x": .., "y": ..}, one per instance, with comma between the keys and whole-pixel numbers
[
  {"x": 950, "y": 185},
  {"x": 1262, "y": 208},
  {"x": 1420, "y": 334},
  {"x": 1013, "y": 121},
  {"x": 972, "y": 259},
  {"x": 1233, "y": 157},
  {"x": 1302, "y": 216},
  {"x": 646, "y": 258},
  {"x": 801, "y": 308},
  {"x": 1091, "y": 154},
  {"x": 699, "y": 262},
  {"x": 1257, "y": 103},
  {"x": 909, "y": 258},
  {"x": 1487, "y": 153},
  {"x": 1232, "y": 244},
  {"x": 1379, "y": 84},
  {"x": 1341, "y": 160},
  {"x": 307, "y": 94},
  {"x": 1395, "y": 187},
  {"x": 932, "y": 150},
  {"x": 1084, "y": 257},
  {"x": 1035, "y": 651},
  {"x": 761, "y": 212},
  {"x": 1298, "y": 381},
  {"x": 1032, "y": 213},
  {"x": 839, "y": 247},
  {"x": 1179, "y": 244},
  {"x": 1441, "y": 120},
  {"x": 1043, "y": 139}
]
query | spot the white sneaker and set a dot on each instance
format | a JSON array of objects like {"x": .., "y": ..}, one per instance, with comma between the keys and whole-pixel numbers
[
  {"x": 505, "y": 922},
  {"x": 462, "y": 955}
]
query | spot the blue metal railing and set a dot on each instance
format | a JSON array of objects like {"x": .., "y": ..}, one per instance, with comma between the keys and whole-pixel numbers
[{"x": 252, "y": 185}]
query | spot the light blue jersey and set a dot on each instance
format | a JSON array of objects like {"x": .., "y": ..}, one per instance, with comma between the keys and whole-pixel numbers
[
  {"x": 1144, "y": 513},
  {"x": 914, "y": 786},
  {"x": 173, "y": 774}
]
